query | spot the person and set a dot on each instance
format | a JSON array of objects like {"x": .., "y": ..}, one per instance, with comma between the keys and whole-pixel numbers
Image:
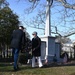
[
  {"x": 36, "y": 50},
  {"x": 17, "y": 40}
]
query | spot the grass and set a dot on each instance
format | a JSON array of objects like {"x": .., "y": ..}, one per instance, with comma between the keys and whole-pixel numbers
[{"x": 28, "y": 70}]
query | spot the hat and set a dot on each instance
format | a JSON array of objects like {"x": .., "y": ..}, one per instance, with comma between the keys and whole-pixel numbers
[{"x": 34, "y": 33}]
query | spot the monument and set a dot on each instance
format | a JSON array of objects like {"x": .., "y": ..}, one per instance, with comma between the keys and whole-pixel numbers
[{"x": 50, "y": 41}]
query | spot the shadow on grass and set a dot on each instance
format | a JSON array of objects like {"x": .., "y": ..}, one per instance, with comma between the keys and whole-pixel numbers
[
  {"x": 9, "y": 67},
  {"x": 58, "y": 65},
  {"x": 6, "y": 69}
]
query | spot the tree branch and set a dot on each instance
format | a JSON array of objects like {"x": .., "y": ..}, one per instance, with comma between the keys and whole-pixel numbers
[{"x": 65, "y": 4}]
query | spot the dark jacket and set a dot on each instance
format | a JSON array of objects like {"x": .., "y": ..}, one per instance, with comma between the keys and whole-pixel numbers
[
  {"x": 36, "y": 46},
  {"x": 17, "y": 39}
]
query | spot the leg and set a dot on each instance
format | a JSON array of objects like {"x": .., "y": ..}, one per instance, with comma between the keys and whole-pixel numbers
[
  {"x": 16, "y": 54},
  {"x": 18, "y": 60},
  {"x": 33, "y": 61},
  {"x": 40, "y": 62}
]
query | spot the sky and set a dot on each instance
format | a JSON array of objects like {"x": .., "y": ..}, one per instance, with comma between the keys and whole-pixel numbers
[{"x": 19, "y": 8}]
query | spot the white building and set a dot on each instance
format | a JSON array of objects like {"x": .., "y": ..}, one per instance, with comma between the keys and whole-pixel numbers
[{"x": 69, "y": 48}]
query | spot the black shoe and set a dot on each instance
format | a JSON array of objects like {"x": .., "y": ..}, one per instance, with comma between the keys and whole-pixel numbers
[
  {"x": 18, "y": 67},
  {"x": 15, "y": 69}
]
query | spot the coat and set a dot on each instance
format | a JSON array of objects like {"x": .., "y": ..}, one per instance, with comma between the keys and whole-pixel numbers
[
  {"x": 36, "y": 47},
  {"x": 17, "y": 39}
]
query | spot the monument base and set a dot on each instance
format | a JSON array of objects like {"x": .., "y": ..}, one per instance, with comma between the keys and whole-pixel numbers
[
  {"x": 48, "y": 48},
  {"x": 58, "y": 51}
]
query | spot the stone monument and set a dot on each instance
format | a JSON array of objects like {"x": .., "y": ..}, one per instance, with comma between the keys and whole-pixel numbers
[{"x": 50, "y": 41}]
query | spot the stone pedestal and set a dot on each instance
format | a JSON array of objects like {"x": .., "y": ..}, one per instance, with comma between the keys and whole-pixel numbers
[
  {"x": 48, "y": 48},
  {"x": 43, "y": 50},
  {"x": 58, "y": 51}
]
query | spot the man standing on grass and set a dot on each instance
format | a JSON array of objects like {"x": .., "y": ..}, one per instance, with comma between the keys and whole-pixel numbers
[
  {"x": 36, "y": 49},
  {"x": 17, "y": 41}
]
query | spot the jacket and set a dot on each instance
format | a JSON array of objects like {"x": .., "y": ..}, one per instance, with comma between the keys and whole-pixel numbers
[
  {"x": 17, "y": 39},
  {"x": 36, "y": 46}
]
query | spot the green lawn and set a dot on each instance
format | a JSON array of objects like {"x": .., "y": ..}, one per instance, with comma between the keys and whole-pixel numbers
[{"x": 28, "y": 70}]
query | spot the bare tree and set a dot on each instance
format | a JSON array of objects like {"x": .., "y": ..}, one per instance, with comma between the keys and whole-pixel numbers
[
  {"x": 66, "y": 3},
  {"x": 62, "y": 16}
]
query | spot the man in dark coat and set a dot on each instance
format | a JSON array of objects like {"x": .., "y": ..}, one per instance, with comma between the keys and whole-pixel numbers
[
  {"x": 17, "y": 40},
  {"x": 36, "y": 49}
]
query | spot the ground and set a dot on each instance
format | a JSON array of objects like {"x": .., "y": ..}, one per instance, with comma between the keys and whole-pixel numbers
[{"x": 28, "y": 70}]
